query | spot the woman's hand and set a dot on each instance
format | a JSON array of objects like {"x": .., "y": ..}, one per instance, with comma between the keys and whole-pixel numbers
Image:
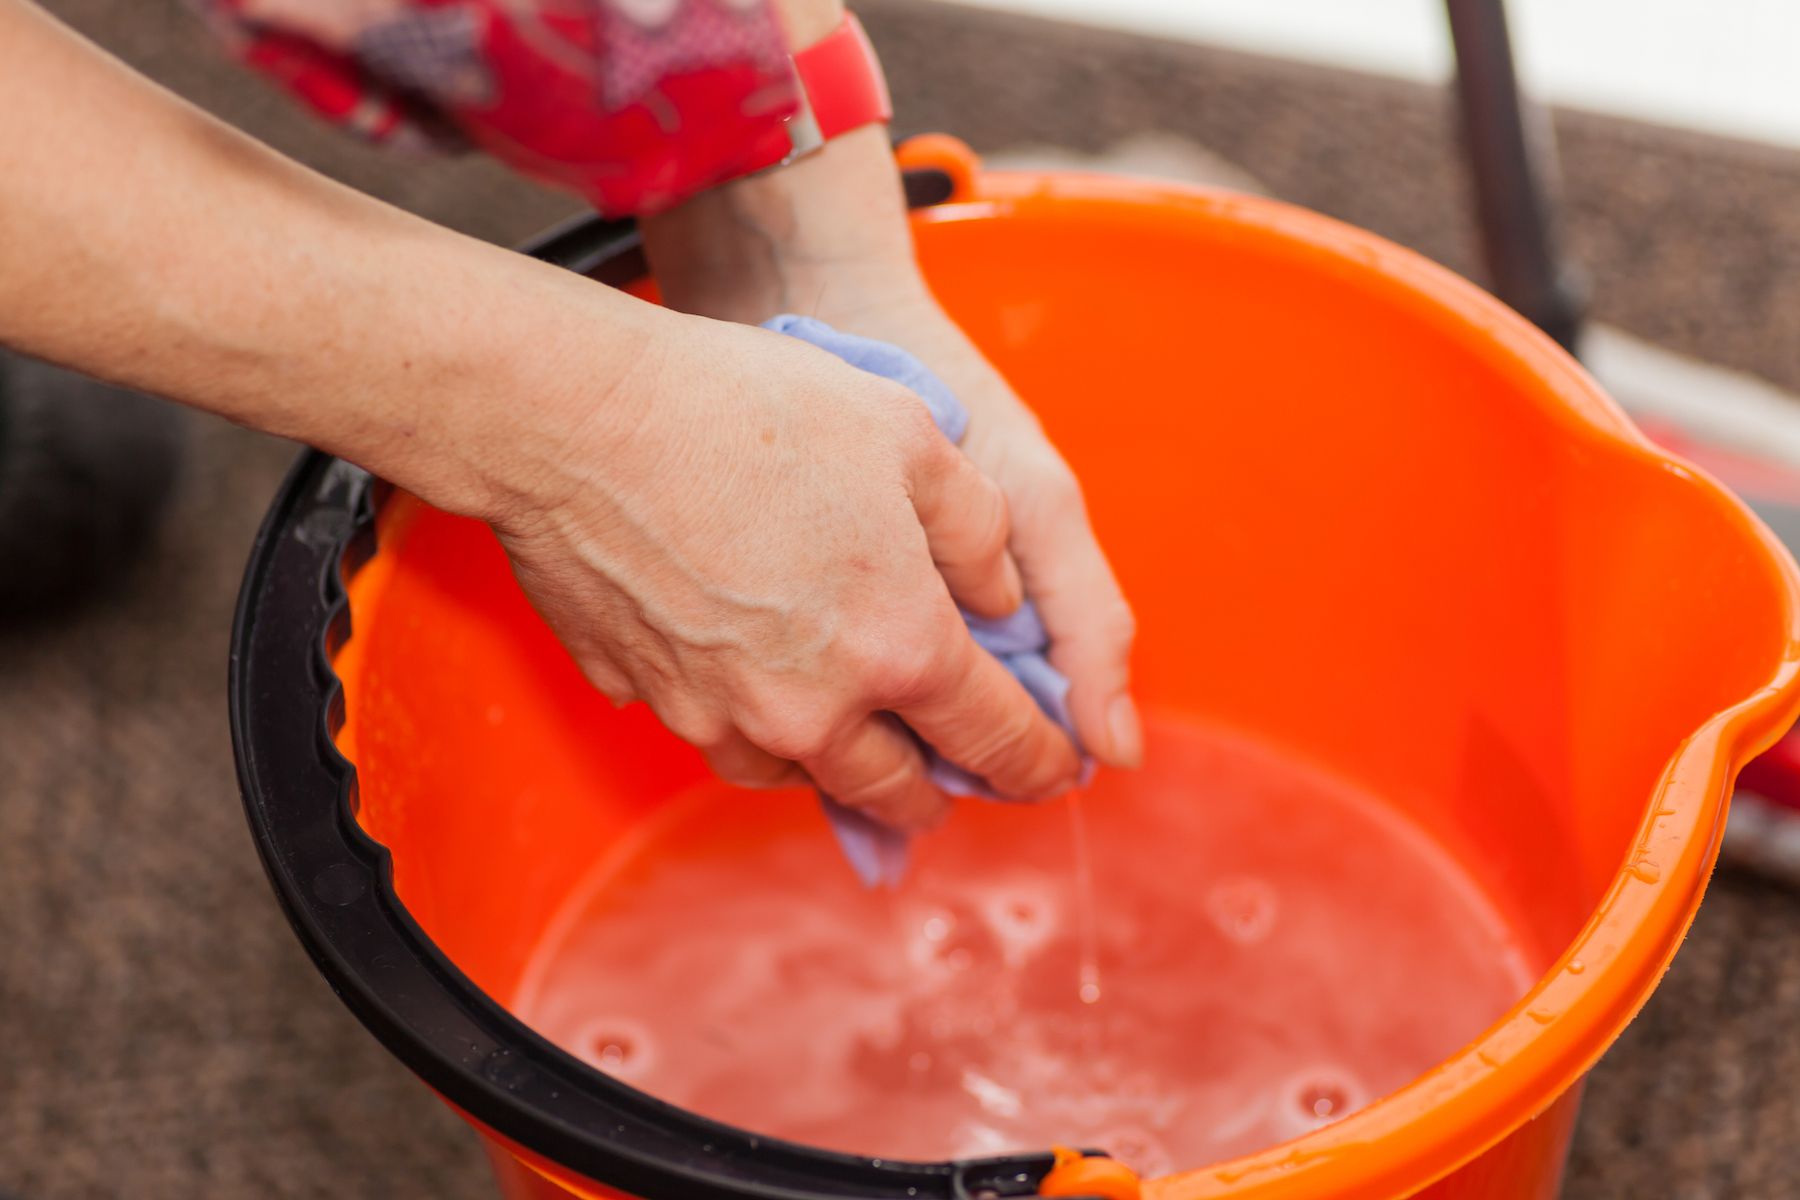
[
  {"x": 828, "y": 237},
  {"x": 758, "y": 540},
  {"x": 1063, "y": 569},
  {"x": 764, "y": 544}
]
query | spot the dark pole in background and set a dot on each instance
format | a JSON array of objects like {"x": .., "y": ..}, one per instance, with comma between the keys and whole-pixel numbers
[{"x": 1513, "y": 174}]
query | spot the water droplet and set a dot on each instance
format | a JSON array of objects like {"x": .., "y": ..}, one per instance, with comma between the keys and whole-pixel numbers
[
  {"x": 1541, "y": 1015},
  {"x": 1243, "y": 907},
  {"x": 1327, "y": 1101},
  {"x": 1645, "y": 871},
  {"x": 936, "y": 929},
  {"x": 1576, "y": 966},
  {"x": 1323, "y": 1095},
  {"x": 506, "y": 1069},
  {"x": 614, "y": 1049},
  {"x": 1090, "y": 992},
  {"x": 618, "y": 1047}
]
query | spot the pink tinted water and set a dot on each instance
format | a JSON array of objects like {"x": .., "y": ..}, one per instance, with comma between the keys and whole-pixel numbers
[{"x": 1272, "y": 950}]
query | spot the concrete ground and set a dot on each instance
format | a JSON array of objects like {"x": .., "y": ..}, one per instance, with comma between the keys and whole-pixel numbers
[{"x": 163, "y": 1035}]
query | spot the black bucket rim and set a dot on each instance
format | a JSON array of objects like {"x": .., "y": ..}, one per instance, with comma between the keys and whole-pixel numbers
[{"x": 335, "y": 883}]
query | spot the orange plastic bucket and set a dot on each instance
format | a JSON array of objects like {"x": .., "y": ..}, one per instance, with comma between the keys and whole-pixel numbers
[{"x": 1456, "y": 572}]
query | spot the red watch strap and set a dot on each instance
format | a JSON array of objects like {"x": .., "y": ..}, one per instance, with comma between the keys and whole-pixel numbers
[{"x": 843, "y": 80}]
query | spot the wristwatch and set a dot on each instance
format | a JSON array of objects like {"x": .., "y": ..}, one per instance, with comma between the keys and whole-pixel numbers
[{"x": 841, "y": 89}]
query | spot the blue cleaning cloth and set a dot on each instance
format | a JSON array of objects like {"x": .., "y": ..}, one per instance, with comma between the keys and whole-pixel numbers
[{"x": 877, "y": 852}]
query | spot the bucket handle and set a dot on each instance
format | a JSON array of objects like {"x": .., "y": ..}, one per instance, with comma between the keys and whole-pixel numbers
[{"x": 941, "y": 156}]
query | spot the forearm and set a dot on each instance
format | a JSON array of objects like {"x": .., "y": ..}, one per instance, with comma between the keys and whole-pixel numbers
[{"x": 146, "y": 243}]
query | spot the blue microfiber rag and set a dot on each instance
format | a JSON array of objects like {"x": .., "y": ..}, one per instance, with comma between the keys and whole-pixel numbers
[{"x": 876, "y": 852}]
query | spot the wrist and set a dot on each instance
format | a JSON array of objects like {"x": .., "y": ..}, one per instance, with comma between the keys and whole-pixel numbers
[
  {"x": 806, "y": 21},
  {"x": 790, "y": 239}
]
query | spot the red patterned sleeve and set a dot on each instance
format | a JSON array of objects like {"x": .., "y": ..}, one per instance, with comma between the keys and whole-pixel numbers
[{"x": 635, "y": 104}]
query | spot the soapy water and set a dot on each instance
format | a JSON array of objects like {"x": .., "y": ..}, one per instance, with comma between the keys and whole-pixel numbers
[{"x": 1220, "y": 952}]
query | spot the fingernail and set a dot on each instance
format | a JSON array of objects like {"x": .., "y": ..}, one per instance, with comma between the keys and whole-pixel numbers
[{"x": 1125, "y": 732}]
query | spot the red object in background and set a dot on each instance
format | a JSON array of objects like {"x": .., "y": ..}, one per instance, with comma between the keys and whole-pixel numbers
[
  {"x": 1764, "y": 830},
  {"x": 1775, "y": 775},
  {"x": 634, "y": 104}
]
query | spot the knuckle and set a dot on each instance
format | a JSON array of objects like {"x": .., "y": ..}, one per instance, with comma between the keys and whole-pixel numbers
[
  {"x": 752, "y": 771},
  {"x": 694, "y": 723},
  {"x": 795, "y": 737},
  {"x": 1000, "y": 750},
  {"x": 1118, "y": 625},
  {"x": 891, "y": 796},
  {"x": 886, "y": 788},
  {"x": 610, "y": 682},
  {"x": 991, "y": 524},
  {"x": 912, "y": 412},
  {"x": 1060, "y": 492},
  {"x": 933, "y": 453},
  {"x": 898, "y": 666},
  {"x": 734, "y": 771}
]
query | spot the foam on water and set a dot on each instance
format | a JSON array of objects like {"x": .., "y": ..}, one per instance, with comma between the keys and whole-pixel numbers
[{"x": 1237, "y": 950}]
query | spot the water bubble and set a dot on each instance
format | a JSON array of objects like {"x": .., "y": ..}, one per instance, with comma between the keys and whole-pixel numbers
[
  {"x": 1022, "y": 917},
  {"x": 618, "y": 1047},
  {"x": 1243, "y": 907},
  {"x": 1321, "y": 1096},
  {"x": 1089, "y": 992},
  {"x": 1325, "y": 1100},
  {"x": 1576, "y": 966},
  {"x": 506, "y": 1069},
  {"x": 614, "y": 1049},
  {"x": 936, "y": 929}
]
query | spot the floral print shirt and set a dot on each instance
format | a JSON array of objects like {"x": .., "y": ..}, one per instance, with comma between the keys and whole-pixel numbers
[{"x": 636, "y": 104}]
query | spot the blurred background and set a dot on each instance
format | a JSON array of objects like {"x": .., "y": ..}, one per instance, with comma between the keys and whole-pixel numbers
[{"x": 161, "y": 1033}]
